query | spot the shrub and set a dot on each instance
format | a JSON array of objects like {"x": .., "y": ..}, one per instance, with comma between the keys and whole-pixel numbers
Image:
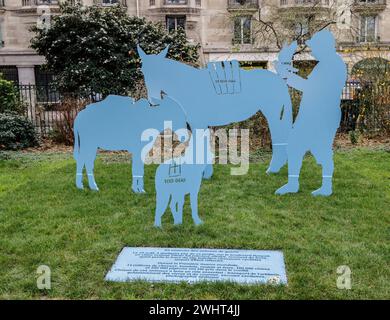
[
  {"x": 66, "y": 114},
  {"x": 9, "y": 100},
  {"x": 354, "y": 136},
  {"x": 16, "y": 132},
  {"x": 373, "y": 75},
  {"x": 94, "y": 49},
  {"x": 258, "y": 130}
]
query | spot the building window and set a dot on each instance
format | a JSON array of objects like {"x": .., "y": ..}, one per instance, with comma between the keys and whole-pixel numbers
[
  {"x": 242, "y": 30},
  {"x": 46, "y": 92},
  {"x": 10, "y": 73},
  {"x": 109, "y": 2},
  {"x": 42, "y": 76},
  {"x": 152, "y": 3},
  {"x": 176, "y": 22},
  {"x": 368, "y": 29}
]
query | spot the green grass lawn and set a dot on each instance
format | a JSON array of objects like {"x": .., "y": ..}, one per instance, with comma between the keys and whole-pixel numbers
[{"x": 44, "y": 219}]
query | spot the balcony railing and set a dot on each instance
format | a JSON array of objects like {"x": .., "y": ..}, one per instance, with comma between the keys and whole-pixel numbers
[
  {"x": 371, "y": 6},
  {"x": 182, "y": 3},
  {"x": 367, "y": 39},
  {"x": 31, "y": 3},
  {"x": 369, "y": 2},
  {"x": 243, "y": 4},
  {"x": 308, "y": 3},
  {"x": 107, "y": 3},
  {"x": 198, "y": 3},
  {"x": 175, "y": 2}
]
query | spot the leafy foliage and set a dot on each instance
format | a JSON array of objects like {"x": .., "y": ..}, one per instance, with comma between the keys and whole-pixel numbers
[
  {"x": 16, "y": 132},
  {"x": 94, "y": 49},
  {"x": 9, "y": 97},
  {"x": 354, "y": 136}
]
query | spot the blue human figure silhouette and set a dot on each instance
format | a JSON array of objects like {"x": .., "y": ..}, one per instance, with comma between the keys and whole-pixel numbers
[
  {"x": 319, "y": 113},
  {"x": 117, "y": 123},
  {"x": 284, "y": 63},
  {"x": 221, "y": 94},
  {"x": 176, "y": 178}
]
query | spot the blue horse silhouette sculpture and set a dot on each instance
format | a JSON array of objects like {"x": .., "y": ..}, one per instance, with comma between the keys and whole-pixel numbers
[
  {"x": 222, "y": 94},
  {"x": 117, "y": 123},
  {"x": 319, "y": 113},
  {"x": 175, "y": 179}
]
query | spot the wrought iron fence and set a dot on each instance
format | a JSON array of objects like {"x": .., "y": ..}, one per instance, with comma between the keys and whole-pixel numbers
[
  {"x": 368, "y": 102},
  {"x": 46, "y": 108},
  {"x": 350, "y": 106},
  {"x": 44, "y": 105},
  {"x": 31, "y": 3}
]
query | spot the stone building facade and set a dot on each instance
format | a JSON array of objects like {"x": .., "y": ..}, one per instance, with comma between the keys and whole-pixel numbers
[{"x": 226, "y": 29}]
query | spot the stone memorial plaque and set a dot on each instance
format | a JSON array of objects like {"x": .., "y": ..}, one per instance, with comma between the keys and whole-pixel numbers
[{"x": 195, "y": 265}]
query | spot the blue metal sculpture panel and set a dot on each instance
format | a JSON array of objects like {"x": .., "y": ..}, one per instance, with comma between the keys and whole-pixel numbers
[
  {"x": 219, "y": 94},
  {"x": 174, "y": 180},
  {"x": 117, "y": 123},
  {"x": 319, "y": 113},
  {"x": 222, "y": 94}
]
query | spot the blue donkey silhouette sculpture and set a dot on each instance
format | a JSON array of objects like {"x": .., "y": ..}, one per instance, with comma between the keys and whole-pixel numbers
[
  {"x": 117, "y": 123},
  {"x": 205, "y": 105},
  {"x": 175, "y": 179}
]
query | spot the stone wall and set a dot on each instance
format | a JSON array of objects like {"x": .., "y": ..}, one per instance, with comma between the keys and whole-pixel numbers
[{"x": 208, "y": 22}]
